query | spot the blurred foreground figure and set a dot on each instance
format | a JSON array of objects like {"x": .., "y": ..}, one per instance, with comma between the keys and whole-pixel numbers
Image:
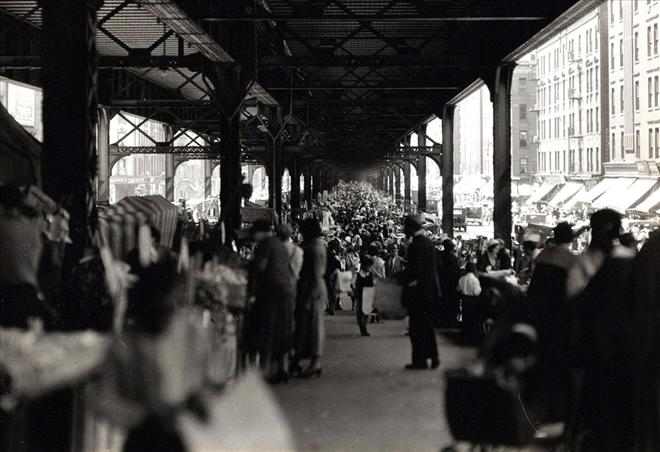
[
  {"x": 602, "y": 338},
  {"x": 646, "y": 346},
  {"x": 311, "y": 300}
]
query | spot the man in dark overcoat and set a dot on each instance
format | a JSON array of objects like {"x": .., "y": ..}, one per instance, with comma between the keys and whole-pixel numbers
[{"x": 421, "y": 295}]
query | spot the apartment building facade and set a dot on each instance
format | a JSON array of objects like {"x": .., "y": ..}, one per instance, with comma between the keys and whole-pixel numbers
[
  {"x": 569, "y": 70},
  {"x": 634, "y": 87}
]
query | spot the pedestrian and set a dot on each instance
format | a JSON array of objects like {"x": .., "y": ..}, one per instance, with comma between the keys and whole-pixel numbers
[
  {"x": 490, "y": 259},
  {"x": 275, "y": 292},
  {"x": 602, "y": 342},
  {"x": 284, "y": 232},
  {"x": 645, "y": 346},
  {"x": 552, "y": 314},
  {"x": 364, "y": 279},
  {"x": 421, "y": 295},
  {"x": 311, "y": 300},
  {"x": 469, "y": 290},
  {"x": 449, "y": 273}
]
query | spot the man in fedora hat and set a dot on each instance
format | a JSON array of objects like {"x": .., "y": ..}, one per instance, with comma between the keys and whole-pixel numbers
[{"x": 421, "y": 294}]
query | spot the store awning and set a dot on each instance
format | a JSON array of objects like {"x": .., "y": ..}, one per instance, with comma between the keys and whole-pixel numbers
[
  {"x": 565, "y": 193},
  {"x": 616, "y": 195},
  {"x": 588, "y": 197},
  {"x": 650, "y": 204},
  {"x": 543, "y": 191}
]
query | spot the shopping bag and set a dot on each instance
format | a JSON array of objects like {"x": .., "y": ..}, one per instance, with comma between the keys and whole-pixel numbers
[{"x": 368, "y": 296}]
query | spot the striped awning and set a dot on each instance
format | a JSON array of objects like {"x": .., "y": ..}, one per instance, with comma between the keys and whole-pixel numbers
[
  {"x": 565, "y": 193},
  {"x": 119, "y": 223}
]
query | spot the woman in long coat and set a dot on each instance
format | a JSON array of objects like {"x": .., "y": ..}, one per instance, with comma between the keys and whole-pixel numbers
[{"x": 311, "y": 301}]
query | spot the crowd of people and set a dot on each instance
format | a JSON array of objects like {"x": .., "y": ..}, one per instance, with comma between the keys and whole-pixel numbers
[{"x": 587, "y": 313}]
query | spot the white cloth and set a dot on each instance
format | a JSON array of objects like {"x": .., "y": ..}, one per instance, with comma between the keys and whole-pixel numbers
[{"x": 469, "y": 285}]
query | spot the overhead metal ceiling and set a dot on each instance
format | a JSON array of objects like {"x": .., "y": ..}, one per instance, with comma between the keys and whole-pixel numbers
[{"x": 359, "y": 73}]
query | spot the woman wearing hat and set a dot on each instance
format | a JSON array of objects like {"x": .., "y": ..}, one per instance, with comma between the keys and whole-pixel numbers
[{"x": 489, "y": 261}]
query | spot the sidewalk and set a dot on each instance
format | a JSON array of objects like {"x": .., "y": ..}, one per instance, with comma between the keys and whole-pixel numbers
[{"x": 365, "y": 401}]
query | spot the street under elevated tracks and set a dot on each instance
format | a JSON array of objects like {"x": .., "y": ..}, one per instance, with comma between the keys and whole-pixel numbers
[{"x": 365, "y": 400}]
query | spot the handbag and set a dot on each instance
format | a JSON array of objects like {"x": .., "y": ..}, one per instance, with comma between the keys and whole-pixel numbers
[{"x": 486, "y": 409}]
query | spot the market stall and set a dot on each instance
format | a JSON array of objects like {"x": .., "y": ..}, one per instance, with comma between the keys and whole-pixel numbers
[{"x": 120, "y": 222}]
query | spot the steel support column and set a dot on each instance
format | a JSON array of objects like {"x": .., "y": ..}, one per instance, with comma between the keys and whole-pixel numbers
[
  {"x": 275, "y": 172},
  {"x": 397, "y": 183},
  {"x": 230, "y": 174},
  {"x": 294, "y": 171},
  {"x": 447, "y": 169},
  {"x": 208, "y": 178},
  {"x": 421, "y": 171},
  {"x": 103, "y": 146},
  {"x": 502, "y": 152},
  {"x": 170, "y": 168},
  {"x": 407, "y": 190},
  {"x": 70, "y": 111}
]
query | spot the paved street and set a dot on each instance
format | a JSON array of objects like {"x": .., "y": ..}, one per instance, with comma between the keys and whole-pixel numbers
[{"x": 365, "y": 401}]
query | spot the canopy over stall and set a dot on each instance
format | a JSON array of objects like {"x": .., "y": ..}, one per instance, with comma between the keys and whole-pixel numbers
[
  {"x": 119, "y": 223},
  {"x": 650, "y": 204},
  {"x": 541, "y": 193},
  {"x": 588, "y": 197},
  {"x": 565, "y": 193},
  {"x": 616, "y": 195},
  {"x": 19, "y": 153}
]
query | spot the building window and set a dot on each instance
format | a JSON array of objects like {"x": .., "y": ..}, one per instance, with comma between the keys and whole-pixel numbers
[
  {"x": 636, "y": 95},
  {"x": 620, "y": 9},
  {"x": 620, "y": 52},
  {"x": 650, "y": 143},
  {"x": 612, "y": 11},
  {"x": 650, "y": 93},
  {"x": 523, "y": 166},
  {"x": 613, "y": 146},
  {"x": 657, "y": 142},
  {"x": 656, "y": 90},
  {"x": 613, "y": 102},
  {"x": 597, "y": 119},
  {"x": 655, "y": 39},
  {"x": 622, "y": 147},
  {"x": 636, "y": 46},
  {"x": 523, "y": 111},
  {"x": 637, "y": 148},
  {"x": 523, "y": 139},
  {"x": 580, "y": 160},
  {"x": 636, "y": 5},
  {"x": 649, "y": 42},
  {"x": 612, "y": 56},
  {"x": 621, "y": 99}
]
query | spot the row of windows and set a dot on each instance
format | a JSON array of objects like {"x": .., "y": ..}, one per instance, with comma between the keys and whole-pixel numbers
[
  {"x": 570, "y": 162},
  {"x": 545, "y": 93},
  {"x": 651, "y": 46},
  {"x": 653, "y": 145},
  {"x": 556, "y": 127},
  {"x": 559, "y": 56},
  {"x": 653, "y": 98}
]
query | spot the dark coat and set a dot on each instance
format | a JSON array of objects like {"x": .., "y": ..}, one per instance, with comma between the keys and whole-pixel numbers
[{"x": 422, "y": 267}]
